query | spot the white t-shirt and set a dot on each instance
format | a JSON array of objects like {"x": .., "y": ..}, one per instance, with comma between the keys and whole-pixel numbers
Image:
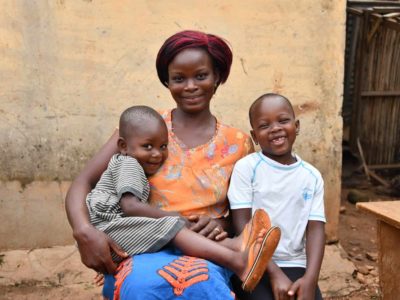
[{"x": 291, "y": 195}]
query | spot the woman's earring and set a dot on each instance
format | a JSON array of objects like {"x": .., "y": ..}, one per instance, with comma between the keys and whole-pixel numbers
[{"x": 166, "y": 84}]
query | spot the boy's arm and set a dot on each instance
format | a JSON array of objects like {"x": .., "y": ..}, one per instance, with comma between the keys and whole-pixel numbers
[
  {"x": 94, "y": 245},
  {"x": 315, "y": 246},
  {"x": 240, "y": 217},
  {"x": 280, "y": 283}
]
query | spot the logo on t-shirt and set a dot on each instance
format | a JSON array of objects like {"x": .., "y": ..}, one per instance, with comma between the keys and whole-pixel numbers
[{"x": 307, "y": 194}]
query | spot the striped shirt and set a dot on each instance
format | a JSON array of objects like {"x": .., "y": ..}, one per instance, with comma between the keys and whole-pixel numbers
[{"x": 133, "y": 234}]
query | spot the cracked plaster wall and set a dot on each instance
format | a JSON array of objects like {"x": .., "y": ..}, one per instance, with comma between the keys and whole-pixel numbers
[{"x": 69, "y": 68}]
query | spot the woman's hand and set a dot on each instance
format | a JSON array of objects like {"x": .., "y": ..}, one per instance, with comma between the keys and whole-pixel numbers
[
  {"x": 208, "y": 227},
  {"x": 95, "y": 250}
]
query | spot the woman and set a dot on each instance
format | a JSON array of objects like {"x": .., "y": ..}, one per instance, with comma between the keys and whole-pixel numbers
[{"x": 192, "y": 182}]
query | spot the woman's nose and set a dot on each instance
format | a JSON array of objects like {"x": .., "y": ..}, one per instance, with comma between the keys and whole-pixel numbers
[{"x": 190, "y": 85}]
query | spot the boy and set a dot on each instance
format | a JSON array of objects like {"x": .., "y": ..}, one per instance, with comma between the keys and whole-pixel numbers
[
  {"x": 118, "y": 205},
  {"x": 291, "y": 191}
]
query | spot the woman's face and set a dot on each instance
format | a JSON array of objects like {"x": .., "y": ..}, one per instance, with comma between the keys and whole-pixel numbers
[{"x": 192, "y": 80}]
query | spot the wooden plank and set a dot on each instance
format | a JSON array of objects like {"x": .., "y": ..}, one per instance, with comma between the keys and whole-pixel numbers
[
  {"x": 379, "y": 179},
  {"x": 388, "y": 211},
  {"x": 380, "y": 93},
  {"x": 360, "y": 150},
  {"x": 371, "y": 3},
  {"x": 389, "y": 260},
  {"x": 392, "y": 14},
  {"x": 384, "y": 167}
]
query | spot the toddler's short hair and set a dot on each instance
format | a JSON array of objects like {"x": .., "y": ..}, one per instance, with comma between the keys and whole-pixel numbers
[{"x": 135, "y": 116}]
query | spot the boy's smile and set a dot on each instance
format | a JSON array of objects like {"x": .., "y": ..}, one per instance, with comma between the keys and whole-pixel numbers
[{"x": 275, "y": 128}]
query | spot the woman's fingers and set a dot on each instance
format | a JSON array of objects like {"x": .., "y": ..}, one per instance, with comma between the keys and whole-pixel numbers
[
  {"x": 117, "y": 249},
  {"x": 207, "y": 227},
  {"x": 199, "y": 223},
  {"x": 94, "y": 248},
  {"x": 223, "y": 235}
]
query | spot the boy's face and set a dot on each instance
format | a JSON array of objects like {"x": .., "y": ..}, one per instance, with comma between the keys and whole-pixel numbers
[
  {"x": 275, "y": 129},
  {"x": 149, "y": 145}
]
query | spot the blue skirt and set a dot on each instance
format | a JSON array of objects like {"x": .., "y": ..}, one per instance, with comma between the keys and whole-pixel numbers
[{"x": 168, "y": 274}]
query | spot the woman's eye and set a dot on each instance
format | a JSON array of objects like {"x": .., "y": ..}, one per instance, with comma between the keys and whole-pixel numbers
[
  {"x": 148, "y": 147},
  {"x": 201, "y": 76},
  {"x": 177, "y": 79}
]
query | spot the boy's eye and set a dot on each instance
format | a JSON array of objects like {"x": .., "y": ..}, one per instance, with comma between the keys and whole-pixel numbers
[
  {"x": 284, "y": 121},
  {"x": 164, "y": 147},
  {"x": 264, "y": 126},
  {"x": 148, "y": 147}
]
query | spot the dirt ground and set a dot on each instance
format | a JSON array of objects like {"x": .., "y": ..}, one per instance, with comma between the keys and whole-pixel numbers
[
  {"x": 357, "y": 230},
  {"x": 357, "y": 236}
]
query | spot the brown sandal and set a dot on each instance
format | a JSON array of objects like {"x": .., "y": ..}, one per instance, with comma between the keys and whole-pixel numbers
[{"x": 257, "y": 263}]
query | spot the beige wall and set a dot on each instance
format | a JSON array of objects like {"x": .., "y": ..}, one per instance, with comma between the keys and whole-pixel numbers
[{"x": 68, "y": 68}]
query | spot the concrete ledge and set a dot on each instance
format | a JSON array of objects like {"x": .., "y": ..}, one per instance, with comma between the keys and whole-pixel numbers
[{"x": 34, "y": 214}]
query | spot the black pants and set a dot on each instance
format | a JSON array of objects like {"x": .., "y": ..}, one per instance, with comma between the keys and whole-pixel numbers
[{"x": 263, "y": 290}]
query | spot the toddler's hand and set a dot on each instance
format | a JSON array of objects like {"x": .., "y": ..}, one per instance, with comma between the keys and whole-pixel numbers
[{"x": 98, "y": 279}]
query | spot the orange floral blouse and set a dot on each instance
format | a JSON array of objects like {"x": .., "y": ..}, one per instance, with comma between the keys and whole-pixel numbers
[{"x": 195, "y": 180}]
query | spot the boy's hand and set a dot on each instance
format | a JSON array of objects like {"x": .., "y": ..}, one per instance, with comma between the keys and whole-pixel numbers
[
  {"x": 95, "y": 250},
  {"x": 302, "y": 289},
  {"x": 280, "y": 284},
  {"x": 207, "y": 227}
]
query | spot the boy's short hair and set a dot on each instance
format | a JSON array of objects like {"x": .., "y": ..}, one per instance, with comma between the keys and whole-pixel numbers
[
  {"x": 216, "y": 47},
  {"x": 264, "y": 97},
  {"x": 135, "y": 116}
]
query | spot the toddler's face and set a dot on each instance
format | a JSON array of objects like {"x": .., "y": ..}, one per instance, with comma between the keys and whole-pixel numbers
[
  {"x": 275, "y": 129},
  {"x": 149, "y": 145}
]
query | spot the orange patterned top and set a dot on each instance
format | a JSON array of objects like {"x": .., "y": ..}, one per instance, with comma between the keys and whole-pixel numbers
[{"x": 195, "y": 180}]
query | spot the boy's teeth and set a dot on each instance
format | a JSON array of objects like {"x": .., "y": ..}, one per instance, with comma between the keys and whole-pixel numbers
[{"x": 278, "y": 140}]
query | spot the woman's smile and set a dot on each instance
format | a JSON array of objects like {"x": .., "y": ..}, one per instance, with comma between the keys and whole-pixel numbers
[{"x": 192, "y": 80}]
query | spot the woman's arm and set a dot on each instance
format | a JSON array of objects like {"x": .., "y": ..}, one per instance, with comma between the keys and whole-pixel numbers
[
  {"x": 94, "y": 245},
  {"x": 315, "y": 245}
]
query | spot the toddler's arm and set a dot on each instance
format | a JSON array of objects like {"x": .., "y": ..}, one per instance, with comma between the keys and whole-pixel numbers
[
  {"x": 133, "y": 207},
  {"x": 315, "y": 245}
]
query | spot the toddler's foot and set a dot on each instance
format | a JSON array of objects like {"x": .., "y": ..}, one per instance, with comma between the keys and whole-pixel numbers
[
  {"x": 98, "y": 279},
  {"x": 253, "y": 229},
  {"x": 259, "y": 253}
]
